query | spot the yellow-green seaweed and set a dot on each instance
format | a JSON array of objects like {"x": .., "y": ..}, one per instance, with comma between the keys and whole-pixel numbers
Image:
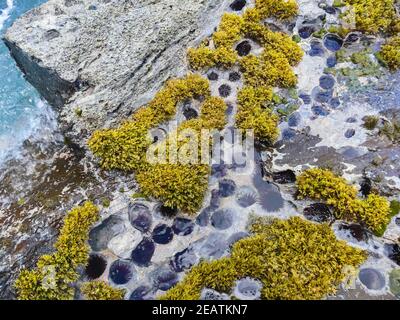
[
  {"x": 55, "y": 273},
  {"x": 176, "y": 183},
  {"x": 293, "y": 259},
  {"x": 390, "y": 53},
  {"x": 372, "y": 16},
  {"x": 124, "y": 148},
  {"x": 373, "y": 212},
  {"x": 100, "y": 290}
]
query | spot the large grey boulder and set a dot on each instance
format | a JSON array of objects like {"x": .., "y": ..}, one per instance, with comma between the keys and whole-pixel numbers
[{"x": 106, "y": 58}]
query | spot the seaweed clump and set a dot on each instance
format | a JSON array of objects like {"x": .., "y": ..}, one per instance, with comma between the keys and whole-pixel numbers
[
  {"x": 124, "y": 148},
  {"x": 204, "y": 57},
  {"x": 272, "y": 68},
  {"x": 100, "y": 290},
  {"x": 390, "y": 53},
  {"x": 234, "y": 27},
  {"x": 372, "y": 16},
  {"x": 279, "y": 49},
  {"x": 182, "y": 184},
  {"x": 293, "y": 259},
  {"x": 373, "y": 212},
  {"x": 176, "y": 185},
  {"x": 55, "y": 273},
  {"x": 256, "y": 114}
]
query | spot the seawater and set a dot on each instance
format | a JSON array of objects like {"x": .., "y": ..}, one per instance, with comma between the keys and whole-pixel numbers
[{"x": 23, "y": 114}]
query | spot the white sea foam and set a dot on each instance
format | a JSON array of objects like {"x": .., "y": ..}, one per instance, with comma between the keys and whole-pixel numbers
[
  {"x": 5, "y": 13},
  {"x": 38, "y": 127}
]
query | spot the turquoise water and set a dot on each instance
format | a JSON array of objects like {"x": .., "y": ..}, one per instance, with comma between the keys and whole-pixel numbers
[{"x": 23, "y": 115}]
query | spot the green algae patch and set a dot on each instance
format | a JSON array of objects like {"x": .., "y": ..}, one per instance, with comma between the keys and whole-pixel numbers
[
  {"x": 100, "y": 290},
  {"x": 176, "y": 185},
  {"x": 204, "y": 57},
  {"x": 293, "y": 259},
  {"x": 322, "y": 184},
  {"x": 394, "y": 207},
  {"x": 371, "y": 122},
  {"x": 55, "y": 273},
  {"x": 394, "y": 281},
  {"x": 271, "y": 69},
  {"x": 364, "y": 65},
  {"x": 125, "y": 147},
  {"x": 390, "y": 53},
  {"x": 372, "y": 16},
  {"x": 254, "y": 113},
  {"x": 182, "y": 184}
]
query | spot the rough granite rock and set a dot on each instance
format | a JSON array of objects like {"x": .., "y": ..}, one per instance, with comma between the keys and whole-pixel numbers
[{"x": 106, "y": 58}]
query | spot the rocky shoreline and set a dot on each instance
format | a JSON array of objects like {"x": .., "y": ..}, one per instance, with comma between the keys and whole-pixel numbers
[
  {"x": 92, "y": 61},
  {"x": 98, "y": 61},
  {"x": 86, "y": 97}
]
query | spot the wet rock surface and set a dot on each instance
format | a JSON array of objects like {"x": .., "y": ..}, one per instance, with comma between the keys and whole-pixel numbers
[
  {"x": 182, "y": 226},
  {"x": 214, "y": 246},
  {"x": 158, "y": 243},
  {"x": 318, "y": 212},
  {"x": 122, "y": 244},
  {"x": 100, "y": 236},
  {"x": 74, "y": 59},
  {"x": 72, "y": 55},
  {"x": 372, "y": 279},
  {"x": 356, "y": 231}
]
